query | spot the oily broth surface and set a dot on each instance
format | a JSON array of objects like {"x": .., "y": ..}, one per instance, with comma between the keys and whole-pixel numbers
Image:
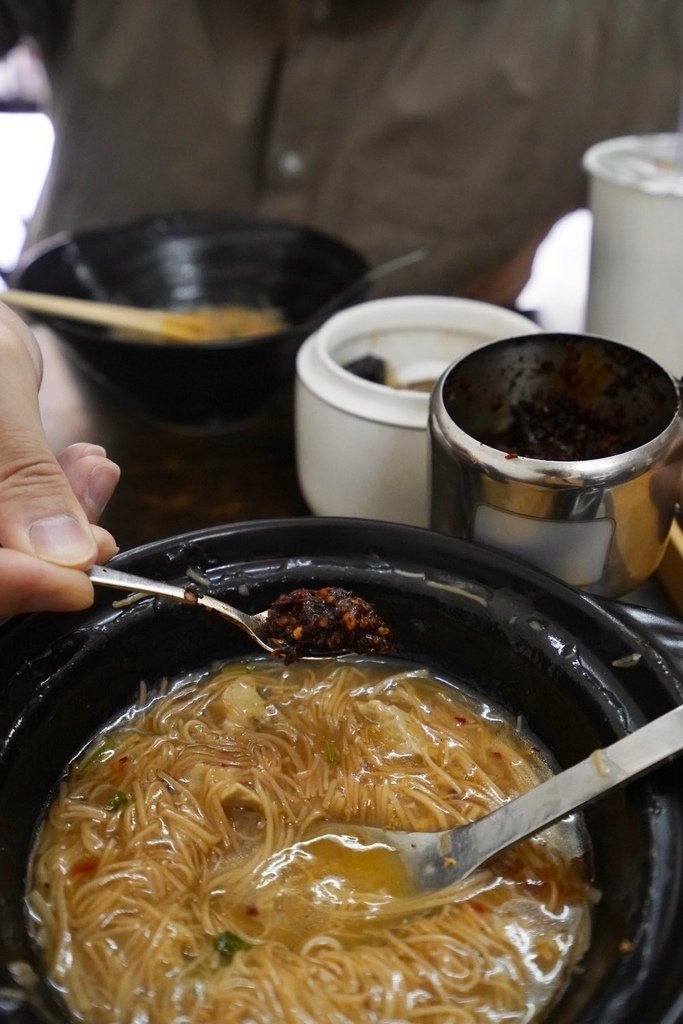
[{"x": 159, "y": 890}]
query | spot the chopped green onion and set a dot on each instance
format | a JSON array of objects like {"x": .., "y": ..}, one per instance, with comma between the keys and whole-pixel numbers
[
  {"x": 118, "y": 801},
  {"x": 227, "y": 944},
  {"x": 101, "y": 752},
  {"x": 330, "y": 752}
]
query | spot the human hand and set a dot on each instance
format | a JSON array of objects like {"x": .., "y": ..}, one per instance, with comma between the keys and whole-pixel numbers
[{"x": 49, "y": 506}]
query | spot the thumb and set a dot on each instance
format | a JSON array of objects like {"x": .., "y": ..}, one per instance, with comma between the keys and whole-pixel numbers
[{"x": 39, "y": 513}]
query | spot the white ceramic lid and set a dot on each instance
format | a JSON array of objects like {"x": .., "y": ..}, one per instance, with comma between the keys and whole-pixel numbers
[
  {"x": 416, "y": 335},
  {"x": 649, "y": 163}
]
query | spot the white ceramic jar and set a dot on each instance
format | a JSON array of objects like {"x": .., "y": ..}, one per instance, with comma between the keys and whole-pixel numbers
[{"x": 362, "y": 449}]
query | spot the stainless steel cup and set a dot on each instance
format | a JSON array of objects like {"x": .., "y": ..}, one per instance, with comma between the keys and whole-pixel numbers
[{"x": 601, "y": 521}]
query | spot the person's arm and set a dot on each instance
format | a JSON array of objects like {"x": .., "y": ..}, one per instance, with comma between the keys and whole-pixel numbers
[{"x": 49, "y": 506}]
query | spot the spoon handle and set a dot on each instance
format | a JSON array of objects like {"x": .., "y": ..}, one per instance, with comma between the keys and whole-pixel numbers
[
  {"x": 188, "y": 595},
  {"x": 558, "y": 796},
  {"x": 126, "y": 581}
]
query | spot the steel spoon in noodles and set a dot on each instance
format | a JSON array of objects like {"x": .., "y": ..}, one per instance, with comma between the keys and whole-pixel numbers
[
  {"x": 437, "y": 860},
  {"x": 321, "y": 642}
]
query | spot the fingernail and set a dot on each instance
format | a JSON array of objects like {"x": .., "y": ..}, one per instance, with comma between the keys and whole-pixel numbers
[
  {"x": 60, "y": 539},
  {"x": 101, "y": 484}
]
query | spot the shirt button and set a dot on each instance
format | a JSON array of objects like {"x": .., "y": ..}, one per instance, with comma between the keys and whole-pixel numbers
[{"x": 291, "y": 163}]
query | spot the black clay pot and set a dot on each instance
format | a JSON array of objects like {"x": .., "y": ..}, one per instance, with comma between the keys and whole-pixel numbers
[
  {"x": 581, "y": 671},
  {"x": 181, "y": 262}
]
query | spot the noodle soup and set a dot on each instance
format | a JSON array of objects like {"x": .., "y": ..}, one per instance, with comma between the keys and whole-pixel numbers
[{"x": 178, "y": 875}]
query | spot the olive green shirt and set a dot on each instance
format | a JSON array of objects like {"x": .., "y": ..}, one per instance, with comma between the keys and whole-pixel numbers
[{"x": 458, "y": 125}]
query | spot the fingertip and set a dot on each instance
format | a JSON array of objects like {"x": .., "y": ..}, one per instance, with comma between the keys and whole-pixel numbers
[
  {"x": 74, "y": 597},
  {"x": 106, "y": 545},
  {"x": 29, "y": 584},
  {"x": 92, "y": 477},
  {"x": 80, "y": 450},
  {"x": 100, "y": 486}
]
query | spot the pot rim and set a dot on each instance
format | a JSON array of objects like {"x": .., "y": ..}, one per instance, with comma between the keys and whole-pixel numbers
[{"x": 560, "y": 616}]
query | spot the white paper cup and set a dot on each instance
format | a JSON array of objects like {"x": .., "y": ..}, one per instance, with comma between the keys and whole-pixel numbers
[
  {"x": 635, "y": 290},
  {"x": 362, "y": 449}
]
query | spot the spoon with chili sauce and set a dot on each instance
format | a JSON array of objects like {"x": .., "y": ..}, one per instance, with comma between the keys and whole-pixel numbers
[{"x": 301, "y": 624}]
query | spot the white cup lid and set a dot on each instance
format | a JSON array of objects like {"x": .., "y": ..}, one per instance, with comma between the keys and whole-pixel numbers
[{"x": 649, "y": 163}]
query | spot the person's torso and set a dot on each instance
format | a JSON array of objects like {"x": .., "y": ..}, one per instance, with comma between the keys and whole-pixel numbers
[{"x": 457, "y": 125}]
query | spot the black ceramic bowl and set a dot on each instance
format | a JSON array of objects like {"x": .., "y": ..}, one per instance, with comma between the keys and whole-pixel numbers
[
  {"x": 562, "y": 659},
  {"x": 181, "y": 262}
]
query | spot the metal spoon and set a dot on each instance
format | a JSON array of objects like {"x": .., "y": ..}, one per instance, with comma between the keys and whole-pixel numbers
[
  {"x": 371, "y": 276},
  {"x": 323, "y": 639},
  {"x": 254, "y": 625},
  {"x": 435, "y": 860}
]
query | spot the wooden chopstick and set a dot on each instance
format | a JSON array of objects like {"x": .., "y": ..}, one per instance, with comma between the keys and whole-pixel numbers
[{"x": 157, "y": 322}]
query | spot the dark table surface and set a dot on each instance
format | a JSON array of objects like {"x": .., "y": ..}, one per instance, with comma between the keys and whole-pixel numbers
[{"x": 172, "y": 480}]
